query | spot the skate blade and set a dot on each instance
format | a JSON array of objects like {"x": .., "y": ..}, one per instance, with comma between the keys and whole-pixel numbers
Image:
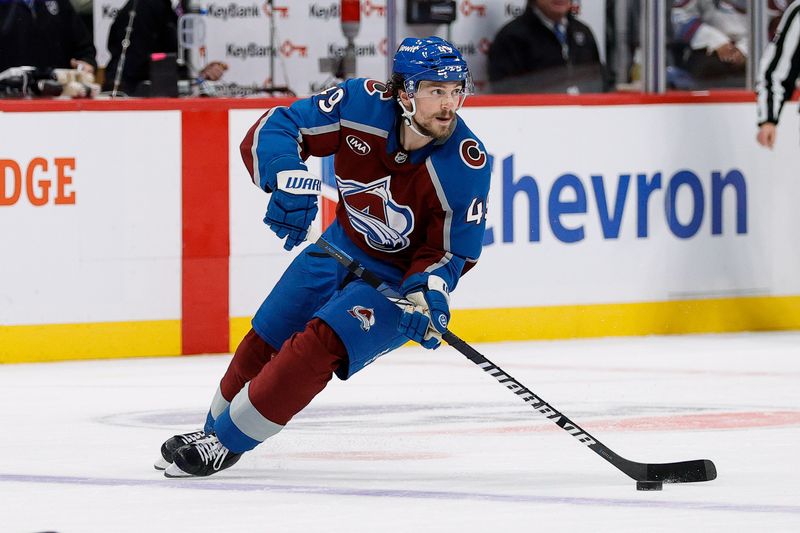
[
  {"x": 161, "y": 464},
  {"x": 173, "y": 471}
]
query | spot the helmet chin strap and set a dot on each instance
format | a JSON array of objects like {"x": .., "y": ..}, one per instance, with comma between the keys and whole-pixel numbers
[{"x": 408, "y": 117}]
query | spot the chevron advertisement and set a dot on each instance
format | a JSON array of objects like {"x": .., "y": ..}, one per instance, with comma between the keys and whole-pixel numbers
[{"x": 605, "y": 205}]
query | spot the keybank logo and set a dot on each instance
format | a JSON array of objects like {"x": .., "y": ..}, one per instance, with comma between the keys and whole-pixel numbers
[
  {"x": 248, "y": 50},
  {"x": 325, "y": 12},
  {"x": 471, "y": 48},
  {"x": 364, "y": 50},
  {"x": 233, "y": 11},
  {"x": 682, "y": 200}
]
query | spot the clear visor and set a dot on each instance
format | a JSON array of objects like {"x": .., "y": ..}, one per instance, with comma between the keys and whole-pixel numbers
[
  {"x": 441, "y": 87},
  {"x": 454, "y": 93}
]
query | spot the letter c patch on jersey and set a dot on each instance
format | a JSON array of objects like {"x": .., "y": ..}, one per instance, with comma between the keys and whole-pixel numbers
[{"x": 471, "y": 154}]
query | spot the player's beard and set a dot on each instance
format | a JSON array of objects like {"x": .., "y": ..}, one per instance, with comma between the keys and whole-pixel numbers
[{"x": 432, "y": 129}]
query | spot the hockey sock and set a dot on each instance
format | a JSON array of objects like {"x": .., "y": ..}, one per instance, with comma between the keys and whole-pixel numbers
[
  {"x": 250, "y": 357},
  {"x": 298, "y": 372}
]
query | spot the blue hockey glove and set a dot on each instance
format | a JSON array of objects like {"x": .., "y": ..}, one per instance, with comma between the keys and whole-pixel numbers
[
  {"x": 293, "y": 206},
  {"x": 425, "y": 320}
]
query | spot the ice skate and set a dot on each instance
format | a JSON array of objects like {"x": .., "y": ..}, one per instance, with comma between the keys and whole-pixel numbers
[
  {"x": 172, "y": 444},
  {"x": 201, "y": 458}
]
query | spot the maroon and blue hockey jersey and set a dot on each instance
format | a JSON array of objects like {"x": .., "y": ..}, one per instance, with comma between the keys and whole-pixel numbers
[{"x": 420, "y": 211}]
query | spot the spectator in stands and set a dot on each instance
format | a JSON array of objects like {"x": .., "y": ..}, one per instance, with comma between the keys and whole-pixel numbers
[
  {"x": 44, "y": 34},
  {"x": 155, "y": 29},
  {"x": 85, "y": 9},
  {"x": 546, "y": 49},
  {"x": 677, "y": 77},
  {"x": 716, "y": 33},
  {"x": 778, "y": 74}
]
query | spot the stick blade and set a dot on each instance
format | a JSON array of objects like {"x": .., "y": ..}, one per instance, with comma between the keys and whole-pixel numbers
[{"x": 682, "y": 472}]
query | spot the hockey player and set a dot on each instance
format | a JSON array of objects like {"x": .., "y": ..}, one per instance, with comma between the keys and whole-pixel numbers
[
  {"x": 780, "y": 67},
  {"x": 413, "y": 182}
]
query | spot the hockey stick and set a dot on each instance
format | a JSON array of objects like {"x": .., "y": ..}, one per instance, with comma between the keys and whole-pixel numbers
[{"x": 680, "y": 472}]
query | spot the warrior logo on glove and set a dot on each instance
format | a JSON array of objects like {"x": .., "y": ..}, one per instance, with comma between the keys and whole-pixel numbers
[{"x": 299, "y": 182}]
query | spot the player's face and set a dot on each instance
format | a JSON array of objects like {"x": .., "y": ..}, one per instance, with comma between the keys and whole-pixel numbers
[
  {"x": 437, "y": 103},
  {"x": 554, "y": 9}
]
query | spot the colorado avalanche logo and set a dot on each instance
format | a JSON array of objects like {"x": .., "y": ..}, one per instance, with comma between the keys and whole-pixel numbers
[
  {"x": 364, "y": 315},
  {"x": 378, "y": 87},
  {"x": 471, "y": 153},
  {"x": 373, "y": 212}
]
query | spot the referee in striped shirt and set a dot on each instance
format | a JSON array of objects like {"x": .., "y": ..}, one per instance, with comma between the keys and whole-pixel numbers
[{"x": 780, "y": 67}]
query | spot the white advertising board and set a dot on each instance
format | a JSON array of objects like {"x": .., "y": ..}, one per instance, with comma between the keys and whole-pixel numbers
[
  {"x": 257, "y": 256},
  {"x": 674, "y": 234},
  {"x": 90, "y": 217},
  {"x": 635, "y": 204}
]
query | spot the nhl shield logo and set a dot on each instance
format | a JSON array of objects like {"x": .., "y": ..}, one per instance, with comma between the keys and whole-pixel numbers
[
  {"x": 400, "y": 158},
  {"x": 364, "y": 315}
]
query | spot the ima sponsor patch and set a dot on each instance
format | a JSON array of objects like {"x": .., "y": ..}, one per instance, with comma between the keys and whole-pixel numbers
[
  {"x": 471, "y": 153},
  {"x": 357, "y": 145},
  {"x": 364, "y": 315}
]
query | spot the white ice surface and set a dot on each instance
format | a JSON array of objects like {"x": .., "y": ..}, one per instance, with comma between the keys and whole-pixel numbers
[{"x": 420, "y": 441}]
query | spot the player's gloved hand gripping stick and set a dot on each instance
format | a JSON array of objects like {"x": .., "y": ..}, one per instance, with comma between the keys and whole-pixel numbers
[
  {"x": 293, "y": 205},
  {"x": 648, "y": 475},
  {"x": 426, "y": 319}
]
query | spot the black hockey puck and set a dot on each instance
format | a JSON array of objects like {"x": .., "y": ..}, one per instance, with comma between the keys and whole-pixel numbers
[{"x": 649, "y": 485}]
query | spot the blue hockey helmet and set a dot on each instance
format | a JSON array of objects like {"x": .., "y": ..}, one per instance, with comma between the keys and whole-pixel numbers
[{"x": 432, "y": 59}]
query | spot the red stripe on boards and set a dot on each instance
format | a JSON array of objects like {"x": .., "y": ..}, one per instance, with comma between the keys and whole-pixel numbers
[
  {"x": 206, "y": 241},
  {"x": 328, "y": 213},
  {"x": 490, "y": 100}
]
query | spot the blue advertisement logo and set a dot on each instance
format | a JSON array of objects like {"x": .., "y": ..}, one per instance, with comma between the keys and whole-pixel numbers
[{"x": 644, "y": 188}]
